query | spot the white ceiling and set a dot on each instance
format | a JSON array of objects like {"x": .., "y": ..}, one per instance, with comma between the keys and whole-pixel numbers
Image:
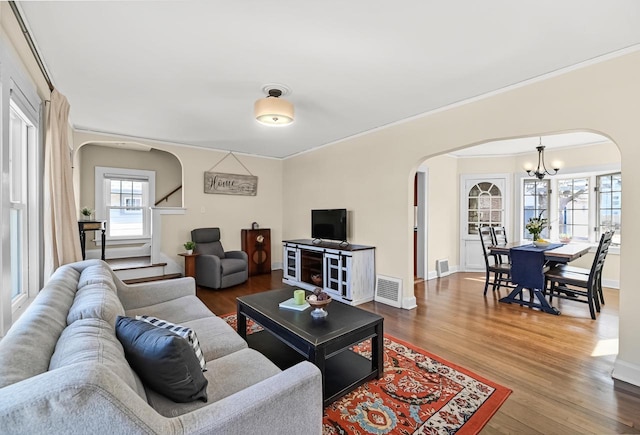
[
  {"x": 527, "y": 145},
  {"x": 188, "y": 72}
]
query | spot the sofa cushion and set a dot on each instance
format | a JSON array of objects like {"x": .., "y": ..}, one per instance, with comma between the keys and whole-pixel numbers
[
  {"x": 95, "y": 301},
  {"x": 232, "y": 265},
  {"x": 216, "y": 337},
  {"x": 177, "y": 310},
  {"x": 97, "y": 274},
  {"x": 163, "y": 360},
  {"x": 183, "y": 331},
  {"x": 94, "y": 340},
  {"x": 27, "y": 348},
  {"x": 226, "y": 375}
]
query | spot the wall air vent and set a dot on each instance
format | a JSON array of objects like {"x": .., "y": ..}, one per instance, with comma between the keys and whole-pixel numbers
[
  {"x": 389, "y": 291},
  {"x": 442, "y": 268}
]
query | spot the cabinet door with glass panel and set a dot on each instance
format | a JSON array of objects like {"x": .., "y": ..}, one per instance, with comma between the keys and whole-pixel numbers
[
  {"x": 486, "y": 207},
  {"x": 484, "y": 202}
]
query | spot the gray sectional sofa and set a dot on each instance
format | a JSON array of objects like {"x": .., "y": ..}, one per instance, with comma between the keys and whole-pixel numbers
[{"x": 63, "y": 370}]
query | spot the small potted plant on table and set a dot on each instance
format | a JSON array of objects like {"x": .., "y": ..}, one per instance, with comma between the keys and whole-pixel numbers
[
  {"x": 86, "y": 213},
  {"x": 189, "y": 247}
]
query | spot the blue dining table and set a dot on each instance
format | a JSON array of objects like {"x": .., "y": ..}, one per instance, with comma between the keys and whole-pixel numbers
[{"x": 528, "y": 265}]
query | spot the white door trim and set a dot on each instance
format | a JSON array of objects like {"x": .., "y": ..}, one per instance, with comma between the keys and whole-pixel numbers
[
  {"x": 421, "y": 223},
  {"x": 507, "y": 203}
]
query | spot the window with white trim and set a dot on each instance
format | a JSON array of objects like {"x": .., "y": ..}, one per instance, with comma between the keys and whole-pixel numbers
[
  {"x": 571, "y": 207},
  {"x": 123, "y": 199},
  {"x": 21, "y": 195},
  {"x": 22, "y": 136},
  {"x": 609, "y": 194},
  {"x": 536, "y": 203}
]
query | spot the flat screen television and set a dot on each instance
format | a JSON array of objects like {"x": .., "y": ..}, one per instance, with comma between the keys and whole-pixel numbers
[{"x": 329, "y": 224}]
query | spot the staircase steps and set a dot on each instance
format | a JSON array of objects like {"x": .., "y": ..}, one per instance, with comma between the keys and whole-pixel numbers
[
  {"x": 137, "y": 269},
  {"x": 152, "y": 278}
]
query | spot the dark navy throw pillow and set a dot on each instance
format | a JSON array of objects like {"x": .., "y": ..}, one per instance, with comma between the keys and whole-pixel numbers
[{"x": 163, "y": 360}]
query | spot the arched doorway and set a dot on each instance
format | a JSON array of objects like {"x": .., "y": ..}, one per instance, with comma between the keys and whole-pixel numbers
[
  {"x": 123, "y": 182},
  {"x": 580, "y": 152}
]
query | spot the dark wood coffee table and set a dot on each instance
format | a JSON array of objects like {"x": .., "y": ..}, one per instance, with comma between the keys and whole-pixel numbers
[{"x": 293, "y": 336}]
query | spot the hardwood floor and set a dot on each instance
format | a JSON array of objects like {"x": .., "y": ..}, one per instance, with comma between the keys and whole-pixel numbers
[{"x": 559, "y": 367}]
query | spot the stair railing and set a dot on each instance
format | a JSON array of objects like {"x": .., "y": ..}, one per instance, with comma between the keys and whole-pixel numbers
[{"x": 166, "y": 197}]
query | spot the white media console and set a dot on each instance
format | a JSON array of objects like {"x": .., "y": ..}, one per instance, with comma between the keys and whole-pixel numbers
[{"x": 347, "y": 272}]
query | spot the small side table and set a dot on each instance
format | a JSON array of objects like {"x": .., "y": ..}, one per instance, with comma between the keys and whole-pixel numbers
[
  {"x": 189, "y": 264},
  {"x": 84, "y": 226}
]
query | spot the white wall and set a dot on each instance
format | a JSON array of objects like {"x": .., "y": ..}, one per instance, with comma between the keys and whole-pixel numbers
[
  {"x": 168, "y": 170},
  {"x": 229, "y": 212},
  {"x": 167, "y": 167},
  {"x": 372, "y": 174},
  {"x": 443, "y": 227},
  {"x": 574, "y": 159}
]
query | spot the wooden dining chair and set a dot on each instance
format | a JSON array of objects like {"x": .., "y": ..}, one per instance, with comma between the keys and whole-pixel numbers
[
  {"x": 499, "y": 235},
  {"x": 585, "y": 271},
  {"x": 501, "y": 271},
  {"x": 565, "y": 284}
]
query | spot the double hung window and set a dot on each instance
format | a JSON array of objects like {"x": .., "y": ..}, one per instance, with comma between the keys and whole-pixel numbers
[
  {"x": 123, "y": 199},
  {"x": 22, "y": 136}
]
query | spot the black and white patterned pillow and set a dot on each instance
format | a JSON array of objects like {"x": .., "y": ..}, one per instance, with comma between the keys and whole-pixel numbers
[{"x": 187, "y": 333}]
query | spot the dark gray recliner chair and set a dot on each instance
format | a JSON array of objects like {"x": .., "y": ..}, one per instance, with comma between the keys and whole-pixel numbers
[{"x": 216, "y": 268}]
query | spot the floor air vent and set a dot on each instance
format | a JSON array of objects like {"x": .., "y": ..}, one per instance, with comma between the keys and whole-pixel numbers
[
  {"x": 389, "y": 291},
  {"x": 442, "y": 268}
]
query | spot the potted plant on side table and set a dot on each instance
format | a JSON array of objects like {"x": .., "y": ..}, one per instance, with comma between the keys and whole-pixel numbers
[
  {"x": 86, "y": 213},
  {"x": 189, "y": 246}
]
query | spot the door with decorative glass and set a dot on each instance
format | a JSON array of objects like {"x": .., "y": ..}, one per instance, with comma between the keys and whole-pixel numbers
[{"x": 484, "y": 201}]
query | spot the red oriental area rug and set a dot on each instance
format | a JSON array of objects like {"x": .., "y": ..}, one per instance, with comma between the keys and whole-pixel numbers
[{"x": 420, "y": 393}]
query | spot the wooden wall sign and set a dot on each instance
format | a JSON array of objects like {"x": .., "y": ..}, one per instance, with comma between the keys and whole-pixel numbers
[{"x": 230, "y": 184}]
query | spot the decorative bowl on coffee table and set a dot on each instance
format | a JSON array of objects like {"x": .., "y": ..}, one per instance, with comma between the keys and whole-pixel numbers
[{"x": 319, "y": 312}]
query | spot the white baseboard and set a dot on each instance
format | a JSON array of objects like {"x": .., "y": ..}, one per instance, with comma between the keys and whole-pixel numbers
[
  {"x": 409, "y": 303},
  {"x": 611, "y": 283},
  {"x": 626, "y": 372},
  {"x": 276, "y": 266},
  {"x": 434, "y": 274}
]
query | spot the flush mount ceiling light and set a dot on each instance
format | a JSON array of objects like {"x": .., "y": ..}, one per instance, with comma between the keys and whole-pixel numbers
[
  {"x": 541, "y": 170},
  {"x": 274, "y": 110}
]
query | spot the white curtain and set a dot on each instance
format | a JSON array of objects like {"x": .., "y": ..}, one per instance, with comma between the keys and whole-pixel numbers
[{"x": 61, "y": 239}]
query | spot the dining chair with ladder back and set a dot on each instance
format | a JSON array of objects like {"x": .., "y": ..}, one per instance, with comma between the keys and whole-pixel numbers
[
  {"x": 500, "y": 239},
  {"x": 580, "y": 287},
  {"x": 585, "y": 271},
  {"x": 501, "y": 270}
]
